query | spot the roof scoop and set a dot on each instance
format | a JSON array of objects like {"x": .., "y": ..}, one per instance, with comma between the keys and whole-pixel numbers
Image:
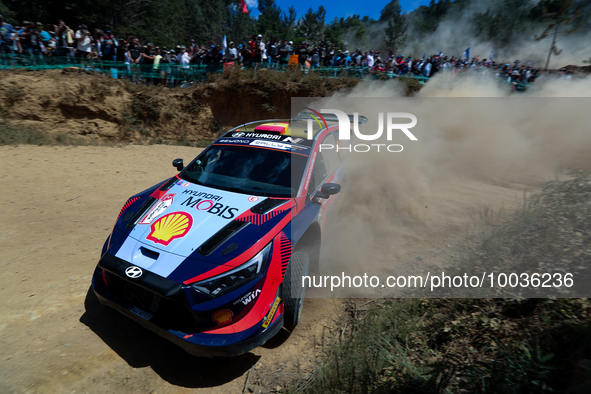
[{"x": 278, "y": 128}]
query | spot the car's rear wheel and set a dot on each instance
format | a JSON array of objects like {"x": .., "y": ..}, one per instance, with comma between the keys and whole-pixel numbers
[{"x": 293, "y": 291}]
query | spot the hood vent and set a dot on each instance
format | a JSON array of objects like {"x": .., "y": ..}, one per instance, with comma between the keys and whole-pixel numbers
[
  {"x": 168, "y": 184},
  {"x": 267, "y": 205},
  {"x": 141, "y": 211},
  {"x": 220, "y": 237}
]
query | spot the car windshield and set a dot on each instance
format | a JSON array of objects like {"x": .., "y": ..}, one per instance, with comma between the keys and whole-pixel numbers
[{"x": 258, "y": 171}]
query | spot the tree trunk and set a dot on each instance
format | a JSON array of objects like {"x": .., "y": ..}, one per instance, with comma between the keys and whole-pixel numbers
[{"x": 552, "y": 47}]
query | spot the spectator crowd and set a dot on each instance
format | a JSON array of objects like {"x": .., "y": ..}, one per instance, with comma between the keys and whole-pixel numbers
[{"x": 38, "y": 43}]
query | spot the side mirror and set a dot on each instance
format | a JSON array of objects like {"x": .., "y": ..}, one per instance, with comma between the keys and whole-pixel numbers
[
  {"x": 178, "y": 163},
  {"x": 331, "y": 188},
  {"x": 327, "y": 190}
]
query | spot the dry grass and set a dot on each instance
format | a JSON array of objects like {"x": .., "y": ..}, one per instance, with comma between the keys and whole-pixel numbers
[{"x": 486, "y": 345}]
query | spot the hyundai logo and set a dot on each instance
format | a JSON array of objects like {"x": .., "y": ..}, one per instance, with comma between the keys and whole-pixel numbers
[{"x": 134, "y": 272}]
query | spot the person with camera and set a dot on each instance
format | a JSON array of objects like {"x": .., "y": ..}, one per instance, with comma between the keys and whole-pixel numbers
[
  {"x": 65, "y": 40},
  {"x": 83, "y": 42},
  {"x": 30, "y": 40}
]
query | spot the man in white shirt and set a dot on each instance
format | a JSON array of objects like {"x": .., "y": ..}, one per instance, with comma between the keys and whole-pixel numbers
[
  {"x": 185, "y": 58},
  {"x": 232, "y": 52},
  {"x": 370, "y": 59},
  {"x": 83, "y": 41}
]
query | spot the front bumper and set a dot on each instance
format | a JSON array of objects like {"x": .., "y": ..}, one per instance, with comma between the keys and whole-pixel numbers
[
  {"x": 174, "y": 320},
  {"x": 200, "y": 344}
]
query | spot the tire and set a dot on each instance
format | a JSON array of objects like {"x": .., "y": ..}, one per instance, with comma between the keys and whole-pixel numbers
[{"x": 293, "y": 303}]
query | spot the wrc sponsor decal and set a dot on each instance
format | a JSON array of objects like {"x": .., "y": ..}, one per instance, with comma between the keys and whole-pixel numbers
[
  {"x": 253, "y": 198},
  {"x": 158, "y": 208},
  {"x": 182, "y": 183},
  {"x": 241, "y": 134},
  {"x": 271, "y": 313},
  {"x": 271, "y": 144},
  {"x": 293, "y": 140},
  {"x": 209, "y": 206},
  {"x": 170, "y": 227},
  {"x": 203, "y": 195},
  {"x": 245, "y": 299},
  {"x": 226, "y": 141},
  {"x": 274, "y": 137}
]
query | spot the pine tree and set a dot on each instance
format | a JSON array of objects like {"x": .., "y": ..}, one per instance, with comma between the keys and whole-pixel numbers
[
  {"x": 559, "y": 13},
  {"x": 397, "y": 26},
  {"x": 312, "y": 25},
  {"x": 269, "y": 21}
]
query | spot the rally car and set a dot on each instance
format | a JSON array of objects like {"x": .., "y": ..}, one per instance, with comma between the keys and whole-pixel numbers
[{"x": 212, "y": 258}]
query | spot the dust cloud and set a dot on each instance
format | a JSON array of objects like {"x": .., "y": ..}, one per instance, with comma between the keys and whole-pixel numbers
[
  {"x": 456, "y": 32},
  {"x": 478, "y": 149}
]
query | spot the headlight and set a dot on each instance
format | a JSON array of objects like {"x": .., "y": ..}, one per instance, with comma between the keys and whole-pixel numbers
[{"x": 236, "y": 277}]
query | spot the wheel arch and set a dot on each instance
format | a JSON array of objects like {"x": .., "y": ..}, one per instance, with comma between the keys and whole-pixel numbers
[{"x": 310, "y": 243}]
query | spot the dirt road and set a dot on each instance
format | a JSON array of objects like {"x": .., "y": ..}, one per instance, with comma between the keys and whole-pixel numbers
[{"x": 58, "y": 206}]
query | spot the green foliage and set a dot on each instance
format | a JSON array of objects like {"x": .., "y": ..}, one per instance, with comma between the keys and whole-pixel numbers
[
  {"x": 289, "y": 24},
  {"x": 173, "y": 22},
  {"x": 7, "y": 13},
  {"x": 335, "y": 33},
  {"x": 397, "y": 26},
  {"x": 269, "y": 21},
  {"x": 410, "y": 346},
  {"x": 166, "y": 23},
  {"x": 390, "y": 11},
  {"x": 357, "y": 25},
  {"x": 514, "y": 368},
  {"x": 312, "y": 26}
]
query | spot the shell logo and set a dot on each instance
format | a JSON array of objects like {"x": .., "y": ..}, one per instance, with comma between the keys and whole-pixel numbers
[
  {"x": 222, "y": 316},
  {"x": 170, "y": 227}
]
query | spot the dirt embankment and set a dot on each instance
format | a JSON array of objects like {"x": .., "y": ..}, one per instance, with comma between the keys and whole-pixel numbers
[{"x": 73, "y": 105}]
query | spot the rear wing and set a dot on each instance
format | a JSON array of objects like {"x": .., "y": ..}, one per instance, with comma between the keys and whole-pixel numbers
[{"x": 329, "y": 117}]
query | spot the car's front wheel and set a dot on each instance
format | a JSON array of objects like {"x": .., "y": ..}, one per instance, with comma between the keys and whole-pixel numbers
[{"x": 293, "y": 289}]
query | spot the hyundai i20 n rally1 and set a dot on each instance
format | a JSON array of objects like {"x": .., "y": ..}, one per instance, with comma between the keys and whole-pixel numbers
[{"x": 212, "y": 259}]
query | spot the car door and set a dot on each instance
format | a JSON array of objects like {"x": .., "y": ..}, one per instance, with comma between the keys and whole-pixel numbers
[{"x": 325, "y": 170}]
